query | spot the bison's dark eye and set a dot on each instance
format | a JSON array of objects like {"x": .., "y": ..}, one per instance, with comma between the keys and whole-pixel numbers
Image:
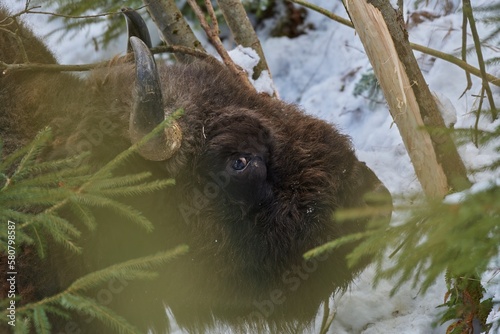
[{"x": 240, "y": 163}]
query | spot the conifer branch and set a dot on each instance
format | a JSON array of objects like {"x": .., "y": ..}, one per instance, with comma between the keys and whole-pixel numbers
[
  {"x": 126, "y": 211},
  {"x": 104, "y": 172},
  {"x": 121, "y": 270},
  {"x": 41, "y": 321},
  {"x": 85, "y": 215},
  {"x": 129, "y": 270},
  {"x": 92, "y": 308},
  {"x": 71, "y": 298}
]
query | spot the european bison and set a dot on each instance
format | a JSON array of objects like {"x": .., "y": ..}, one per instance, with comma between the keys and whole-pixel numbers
[{"x": 257, "y": 184}]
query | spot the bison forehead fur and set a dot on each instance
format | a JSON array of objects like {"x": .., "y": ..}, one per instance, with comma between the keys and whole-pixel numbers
[{"x": 257, "y": 183}]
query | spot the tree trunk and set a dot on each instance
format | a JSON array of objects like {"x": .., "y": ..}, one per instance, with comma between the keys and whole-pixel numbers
[
  {"x": 173, "y": 28},
  {"x": 434, "y": 156},
  {"x": 243, "y": 32}
]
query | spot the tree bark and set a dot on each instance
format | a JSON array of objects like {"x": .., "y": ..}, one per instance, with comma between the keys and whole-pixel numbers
[
  {"x": 173, "y": 28},
  {"x": 243, "y": 32},
  {"x": 437, "y": 163}
]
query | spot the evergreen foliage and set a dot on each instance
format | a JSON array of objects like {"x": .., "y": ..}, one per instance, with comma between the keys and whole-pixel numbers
[
  {"x": 73, "y": 298},
  {"x": 86, "y": 12},
  {"x": 33, "y": 193},
  {"x": 490, "y": 14},
  {"x": 368, "y": 84},
  {"x": 258, "y": 7},
  {"x": 458, "y": 236}
]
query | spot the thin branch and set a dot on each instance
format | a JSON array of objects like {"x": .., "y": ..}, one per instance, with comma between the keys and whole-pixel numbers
[
  {"x": 464, "y": 51},
  {"x": 9, "y": 68},
  {"x": 213, "y": 35},
  {"x": 478, "y": 115},
  {"x": 180, "y": 49},
  {"x": 91, "y": 16},
  {"x": 432, "y": 52},
  {"x": 211, "y": 31},
  {"x": 456, "y": 61},
  {"x": 19, "y": 41},
  {"x": 31, "y": 10},
  {"x": 213, "y": 17},
  {"x": 325, "y": 12},
  {"x": 467, "y": 8}
]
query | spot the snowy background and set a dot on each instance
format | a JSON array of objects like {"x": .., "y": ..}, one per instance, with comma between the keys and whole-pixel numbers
[{"x": 319, "y": 70}]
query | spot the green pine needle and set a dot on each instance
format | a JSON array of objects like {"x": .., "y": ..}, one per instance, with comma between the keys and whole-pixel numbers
[
  {"x": 33, "y": 152},
  {"x": 23, "y": 325},
  {"x": 119, "y": 181},
  {"x": 41, "y": 321},
  {"x": 27, "y": 153},
  {"x": 128, "y": 270},
  {"x": 93, "y": 309},
  {"x": 125, "y": 211},
  {"x": 136, "y": 190},
  {"x": 84, "y": 214}
]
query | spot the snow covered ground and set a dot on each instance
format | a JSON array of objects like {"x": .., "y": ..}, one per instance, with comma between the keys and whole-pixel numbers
[{"x": 319, "y": 71}]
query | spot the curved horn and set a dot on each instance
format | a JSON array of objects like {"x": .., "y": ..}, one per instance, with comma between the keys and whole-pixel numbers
[
  {"x": 148, "y": 109},
  {"x": 136, "y": 27}
]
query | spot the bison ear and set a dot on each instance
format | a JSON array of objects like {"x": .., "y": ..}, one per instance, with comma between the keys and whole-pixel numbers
[
  {"x": 148, "y": 109},
  {"x": 136, "y": 27}
]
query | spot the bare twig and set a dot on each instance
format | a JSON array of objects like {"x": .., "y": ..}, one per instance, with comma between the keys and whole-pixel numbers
[
  {"x": 325, "y": 12},
  {"x": 180, "y": 49},
  {"x": 456, "y": 61},
  {"x": 9, "y": 68},
  {"x": 19, "y": 41},
  {"x": 478, "y": 115},
  {"x": 432, "y": 52},
  {"x": 464, "y": 51},
  {"x": 90, "y": 16},
  {"x": 212, "y": 32},
  {"x": 467, "y": 8},
  {"x": 31, "y": 10}
]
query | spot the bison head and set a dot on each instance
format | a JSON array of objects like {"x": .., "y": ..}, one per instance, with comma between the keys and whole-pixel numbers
[{"x": 258, "y": 183}]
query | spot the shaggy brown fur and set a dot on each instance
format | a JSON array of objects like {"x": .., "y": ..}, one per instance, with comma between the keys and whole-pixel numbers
[{"x": 247, "y": 229}]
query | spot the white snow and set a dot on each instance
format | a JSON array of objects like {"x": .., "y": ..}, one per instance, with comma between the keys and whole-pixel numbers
[
  {"x": 247, "y": 59},
  {"x": 318, "y": 71},
  {"x": 476, "y": 188}
]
